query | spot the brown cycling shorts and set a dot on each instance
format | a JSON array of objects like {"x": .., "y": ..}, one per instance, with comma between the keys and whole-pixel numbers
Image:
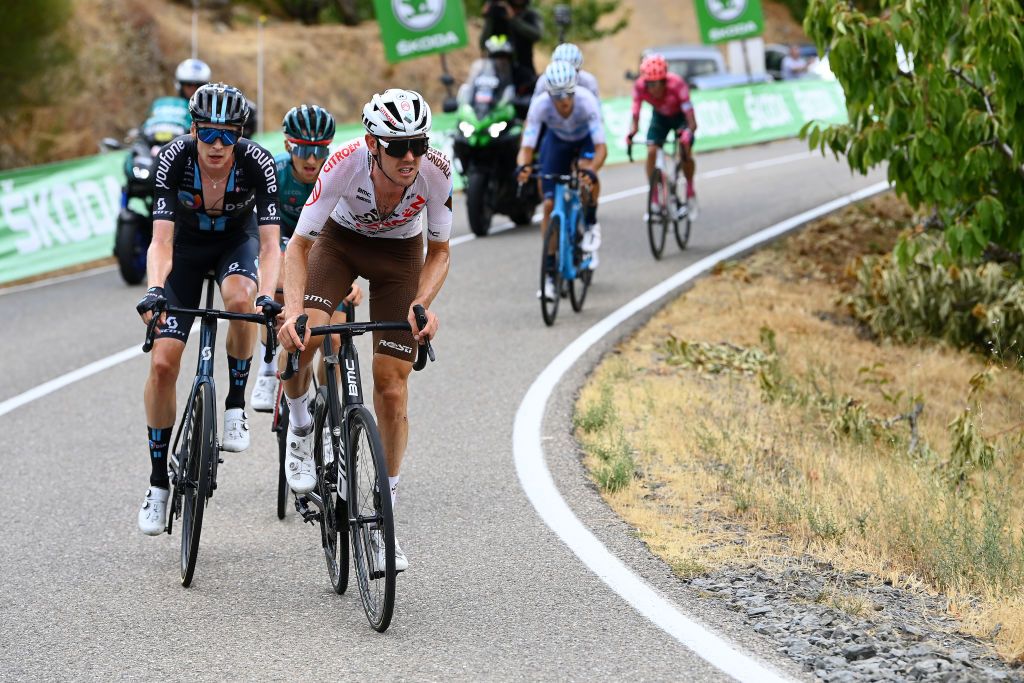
[{"x": 392, "y": 267}]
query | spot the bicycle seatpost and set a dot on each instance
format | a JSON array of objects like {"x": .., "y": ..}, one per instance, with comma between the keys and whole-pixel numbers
[{"x": 292, "y": 366}]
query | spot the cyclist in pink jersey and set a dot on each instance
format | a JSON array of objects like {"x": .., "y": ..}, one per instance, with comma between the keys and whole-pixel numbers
[{"x": 669, "y": 95}]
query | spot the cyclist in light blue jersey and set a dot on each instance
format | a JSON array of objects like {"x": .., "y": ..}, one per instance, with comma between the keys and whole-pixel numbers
[{"x": 573, "y": 120}]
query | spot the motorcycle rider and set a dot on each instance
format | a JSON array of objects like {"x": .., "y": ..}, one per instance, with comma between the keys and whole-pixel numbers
[{"x": 523, "y": 27}]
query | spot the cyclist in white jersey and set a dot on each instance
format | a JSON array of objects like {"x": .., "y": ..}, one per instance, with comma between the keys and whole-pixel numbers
[
  {"x": 573, "y": 120},
  {"x": 363, "y": 218},
  {"x": 568, "y": 52}
]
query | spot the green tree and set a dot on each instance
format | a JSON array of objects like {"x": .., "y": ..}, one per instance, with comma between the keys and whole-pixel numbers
[
  {"x": 934, "y": 89},
  {"x": 32, "y": 42}
]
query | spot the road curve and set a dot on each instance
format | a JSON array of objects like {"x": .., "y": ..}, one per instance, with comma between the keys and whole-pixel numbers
[{"x": 491, "y": 594}]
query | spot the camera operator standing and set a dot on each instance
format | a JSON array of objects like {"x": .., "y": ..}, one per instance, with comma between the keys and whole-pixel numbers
[{"x": 523, "y": 27}]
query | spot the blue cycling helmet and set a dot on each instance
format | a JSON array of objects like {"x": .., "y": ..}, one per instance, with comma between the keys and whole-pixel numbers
[
  {"x": 308, "y": 123},
  {"x": 560, "y": 77},
  {"x": 219, "y": 103},
  {"x": 568, "y": 52}
]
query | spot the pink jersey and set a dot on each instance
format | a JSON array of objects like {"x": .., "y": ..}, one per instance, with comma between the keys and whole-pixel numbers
[{"x": 675, "y": 100}]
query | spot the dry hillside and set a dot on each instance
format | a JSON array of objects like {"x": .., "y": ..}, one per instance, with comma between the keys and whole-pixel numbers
[{"x": 127, "y": 51}]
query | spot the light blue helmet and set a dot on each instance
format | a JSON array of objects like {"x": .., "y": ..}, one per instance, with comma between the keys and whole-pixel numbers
[
  {"x": 568, "y": 52},
  {"x": 561, "y": 78}
]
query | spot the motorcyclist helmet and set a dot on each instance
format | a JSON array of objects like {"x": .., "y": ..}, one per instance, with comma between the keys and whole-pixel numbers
[
  {"x": 653, "y": 68},
  {"x": 191, "y": 72},
  {"x": 219, "y": 103},
  {"x": 397, "y": 113},
  {"x": 568, "y": 52},
  {"x": 308, "y": 123},
  {"x": 561, "y": 79},
  {"x": 498, "y": 46}
]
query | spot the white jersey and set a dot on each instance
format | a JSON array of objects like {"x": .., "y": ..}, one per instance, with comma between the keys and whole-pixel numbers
[
  {"x": 584, "y": 120},
  {"x": 584, "y": 79},
  {"x": 344, "y": 192}
]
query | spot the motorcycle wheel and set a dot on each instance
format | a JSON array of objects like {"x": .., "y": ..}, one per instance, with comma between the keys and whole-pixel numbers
[
  {"x": 130, "y": 247},
  {"x": 480, "y": 213}
]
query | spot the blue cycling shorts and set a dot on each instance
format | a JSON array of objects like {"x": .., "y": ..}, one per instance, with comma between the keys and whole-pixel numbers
[{"x": 556, "y": 156}]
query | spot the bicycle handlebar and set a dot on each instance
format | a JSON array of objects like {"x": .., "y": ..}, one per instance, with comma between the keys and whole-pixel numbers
[{"x": 270, "y": 321}]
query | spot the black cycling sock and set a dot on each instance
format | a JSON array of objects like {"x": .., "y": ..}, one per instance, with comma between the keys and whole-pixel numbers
[
  {"x": 159, "y": 439},
  {"x": 590, "y": 214},
  {"x": 239, "y": 371}
]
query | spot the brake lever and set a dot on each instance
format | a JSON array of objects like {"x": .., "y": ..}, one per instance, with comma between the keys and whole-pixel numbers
[
  {"x": 292, "y": 366},
  {"x": 421, "y": 321},
  {"x": 150, "y": 329}
]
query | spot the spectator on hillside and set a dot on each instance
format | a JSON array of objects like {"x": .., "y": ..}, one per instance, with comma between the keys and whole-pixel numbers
[
  {"x": 793, "y": 65},
  {"x": 523, "y": 27}
]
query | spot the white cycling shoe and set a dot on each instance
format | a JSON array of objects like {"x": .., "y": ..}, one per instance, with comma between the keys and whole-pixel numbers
[
  {"x": 549, "y": 292},
  {"x": 236, "y": 430},
  {"x": 591, "y": 238},
  {"x": 153, "y": 513},
  {"x": 264, "y": 394},
  {"x": 298, "y": 462},
  {"x": 377, "y": 547}
]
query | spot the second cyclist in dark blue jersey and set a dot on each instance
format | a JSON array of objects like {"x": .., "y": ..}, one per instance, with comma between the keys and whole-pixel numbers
[{"x": 214, "y": 209}]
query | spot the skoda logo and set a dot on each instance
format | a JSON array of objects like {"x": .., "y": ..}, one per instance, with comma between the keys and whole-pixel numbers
[
  {"x": 418, "y": 15},
  {"x": 726, "y": 10}
]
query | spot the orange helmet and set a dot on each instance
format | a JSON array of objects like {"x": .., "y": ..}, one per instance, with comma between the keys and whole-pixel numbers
[{"x": 653, "y": 68}]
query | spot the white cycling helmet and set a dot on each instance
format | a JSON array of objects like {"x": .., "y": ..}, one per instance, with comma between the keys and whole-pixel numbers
[
  {"x": 192, "y": 72},
  {"x": 568, "y": 52},
  {"x": 397, "y": 113},
  {"x": 560, "y": 77}
]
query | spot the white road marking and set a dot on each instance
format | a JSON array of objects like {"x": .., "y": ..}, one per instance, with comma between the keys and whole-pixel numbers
[
  {"x": 57, "y": 280},
  {"x": 129, "y": 353},
  {"x": 765, "y": 163},
  {"x": 536, "y": 480}
]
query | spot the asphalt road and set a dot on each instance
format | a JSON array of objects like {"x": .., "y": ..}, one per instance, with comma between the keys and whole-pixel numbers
[{"x": 491, "y": 593}]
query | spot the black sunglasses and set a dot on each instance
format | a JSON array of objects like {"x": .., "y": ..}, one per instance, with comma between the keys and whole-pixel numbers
[{"x": 399, "y": 148}]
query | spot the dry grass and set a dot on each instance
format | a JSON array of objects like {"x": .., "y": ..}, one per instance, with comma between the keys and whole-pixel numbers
[{"x": 739, "y": 466}]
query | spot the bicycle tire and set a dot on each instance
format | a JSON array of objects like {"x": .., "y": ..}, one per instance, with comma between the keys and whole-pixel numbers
[
  {"x": 657, "y": 220},
  {"x": 281, "y": 427},
  {"x": 581, "y": 283},
  {"x": 549, "y": 308},
  {"x": 681, "y": 226},
  {"x": 370, "y": 513},
  {"x": 194, "y": 475},
  {"x": 334, "y": 513}
]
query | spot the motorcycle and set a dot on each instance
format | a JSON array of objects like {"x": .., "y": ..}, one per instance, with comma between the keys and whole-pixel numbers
[
  {"x": 488, "y": 130},
  {"x": 135, "y": 220}
]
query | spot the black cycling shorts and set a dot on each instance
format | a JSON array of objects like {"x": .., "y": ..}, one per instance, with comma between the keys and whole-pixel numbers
[{"x": 235, "y": 254}]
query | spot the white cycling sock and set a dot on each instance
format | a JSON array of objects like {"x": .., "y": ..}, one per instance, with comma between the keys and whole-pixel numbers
[
  {"x": 393, "y": 483},
  {"x": 267, "y": 368},
  {"x": 299, "y": 418}
]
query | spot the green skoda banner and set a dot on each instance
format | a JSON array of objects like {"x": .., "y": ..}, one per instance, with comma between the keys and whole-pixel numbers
[
  {"x": 414, "y": 28},
  {"x": 722, "y": 20},
  {"x": 63, "y": 214}
]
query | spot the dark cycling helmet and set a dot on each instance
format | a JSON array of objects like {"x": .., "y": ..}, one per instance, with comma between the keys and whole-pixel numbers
[
  {"x": 219, "y": 103},
  {"x": 308, "y": 123}
]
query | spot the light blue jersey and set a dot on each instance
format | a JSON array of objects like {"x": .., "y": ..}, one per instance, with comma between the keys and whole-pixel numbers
[{"x": 584, "y": 120}]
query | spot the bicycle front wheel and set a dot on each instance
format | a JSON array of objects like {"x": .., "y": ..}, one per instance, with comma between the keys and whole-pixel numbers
[
  {"x": 657, "y": 213},
  {"x": 281, "y": 427},
  {"x": 682, "y": 220},
  {"x": 371, "y": 521},
  {"x": 194, "y": 472},
  {"x": 333, "y": 514},
  {"x": 549, "y": 268}
]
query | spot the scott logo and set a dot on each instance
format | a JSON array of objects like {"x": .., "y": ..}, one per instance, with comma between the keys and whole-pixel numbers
[{"x": 207, "y": 354}]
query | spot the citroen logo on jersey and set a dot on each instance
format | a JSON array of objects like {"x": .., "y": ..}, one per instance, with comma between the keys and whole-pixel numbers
[{"x": 315, "y": 194}]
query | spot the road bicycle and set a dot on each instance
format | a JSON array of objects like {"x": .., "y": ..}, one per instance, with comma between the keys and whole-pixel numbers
[
  {"x": 352, "y": 498},
  {"x": 667, "y": 197},
  {"x": 569, "y": 268},
  {"x": 192, "y": 470}
]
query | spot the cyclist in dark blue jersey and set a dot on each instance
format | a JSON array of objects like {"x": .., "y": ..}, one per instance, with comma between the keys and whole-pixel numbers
[{"x": 214, "y": 209}]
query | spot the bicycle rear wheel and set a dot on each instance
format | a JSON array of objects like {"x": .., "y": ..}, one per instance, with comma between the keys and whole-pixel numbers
[
  {"x": 681, "y": 222},
  {"x": 657, "y": 213},
  {"x": 333, "y": 514},
  {"x": 549, "y": 307},
  {"x": 581, "y": 283},
  {"x": 195, "y": 467},
  {"x": 281, "y": 427},
  {"x": 371, "y": 521}
]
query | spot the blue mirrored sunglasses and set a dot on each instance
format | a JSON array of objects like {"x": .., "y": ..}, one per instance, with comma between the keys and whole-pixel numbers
[
  {"x": 211, "y": 135},
  {"x": 305, "y": 151}
]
